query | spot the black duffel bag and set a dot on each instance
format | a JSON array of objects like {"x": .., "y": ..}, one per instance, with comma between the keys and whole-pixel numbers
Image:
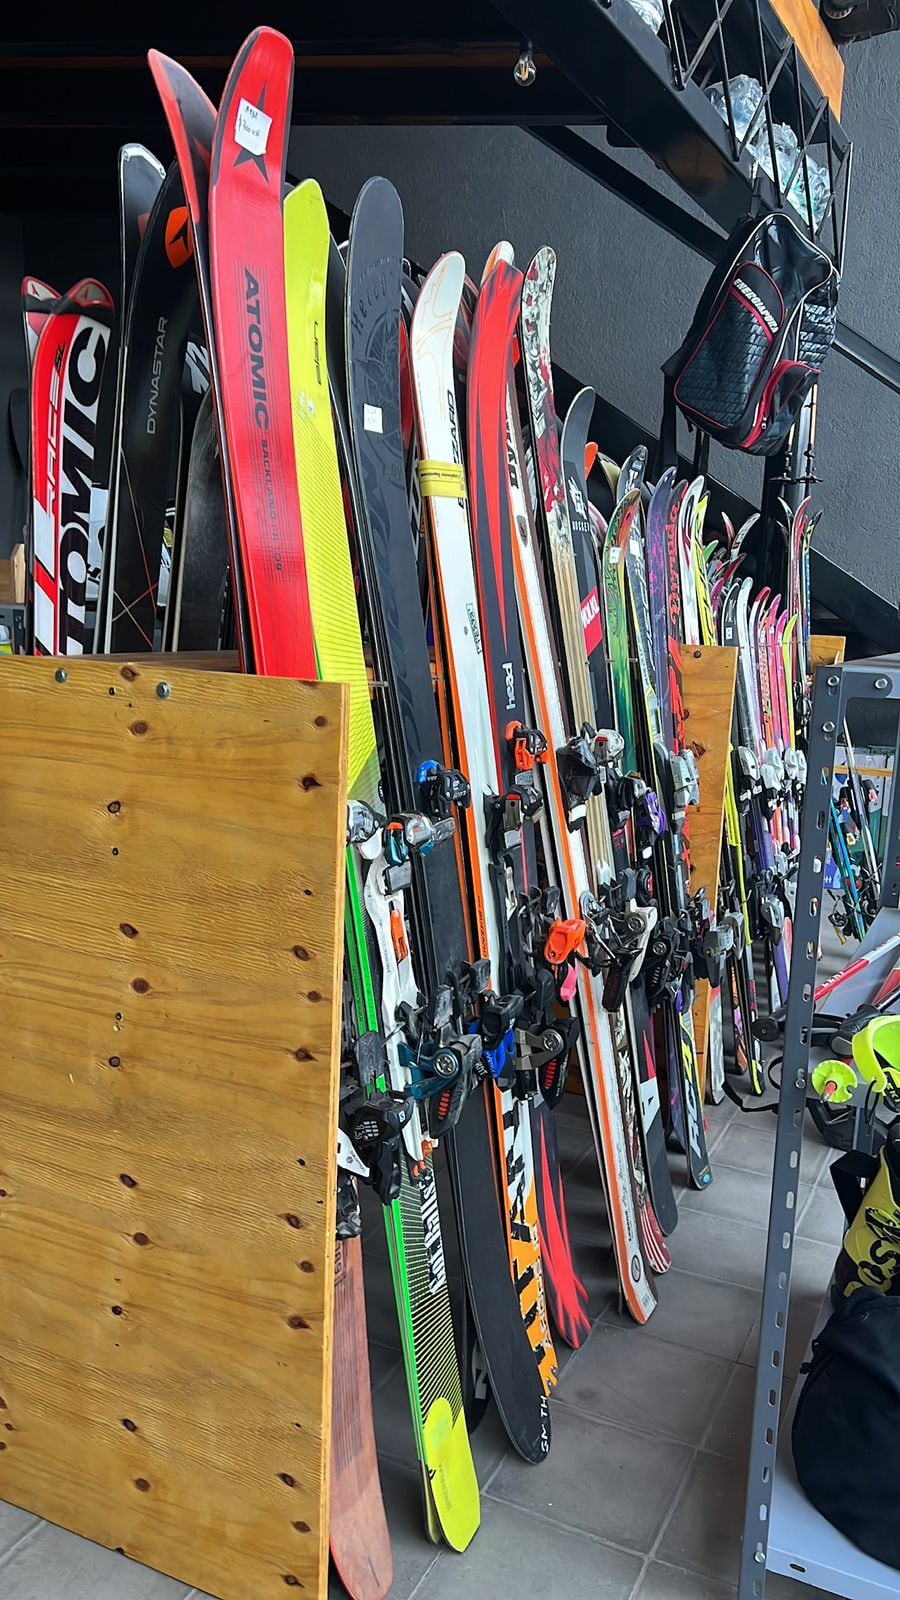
[
  {"x": 846, "y": 1433},
  {"x": 761, "y": 330}
]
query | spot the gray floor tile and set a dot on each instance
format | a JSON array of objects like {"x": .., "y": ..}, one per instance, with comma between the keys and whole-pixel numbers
[
  {"x": 596, "y": 1267},
  {"x": 381, "y": 1307},
  {"x": 739, "y": 1195},
  {"x": 573, "y": 1132},
  {"x": 822, "y": 1218},
  {"x": 749, "y": 1142},
  {"x": 714, "y": 1318},
  {"x": 744, "y": 1144},
  {"x": 585, "y": 1204},
  {"x": 599, "y": 1478},
  {"x": 718, "y": 1119},
  {"x": 813, "y": 1265},
  {"x": 704, "y": 1531},
  {"x": 661, "y": 1582},
  {"x": 824, "y": 1179},
  {"x": 383, "y": 1362},
  {"x": 729, "y": 1433},
  {"x": 593, "y": 1571},
  {"x": 733, "y": 1252},
  {"x": 799, "y": 1332},
  {"x": 14, "y": 1524},
  {"x": 393, "y": 1421},
  {"x": 55, "y": 1563},
  {"x": 647, "y": 1384}
]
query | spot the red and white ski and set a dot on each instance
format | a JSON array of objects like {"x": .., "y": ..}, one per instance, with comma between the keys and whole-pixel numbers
[
  {"x": 246, "y": 235},
  {"x": 65, "y": 390}
]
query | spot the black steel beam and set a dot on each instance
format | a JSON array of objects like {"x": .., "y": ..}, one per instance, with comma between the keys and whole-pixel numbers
[{"x": 607, "y": 44}]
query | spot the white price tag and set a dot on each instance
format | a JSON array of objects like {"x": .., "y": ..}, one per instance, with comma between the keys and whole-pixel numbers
[
  {"x": 372, "y": 419},
  {"x": 251, "y": 129}
]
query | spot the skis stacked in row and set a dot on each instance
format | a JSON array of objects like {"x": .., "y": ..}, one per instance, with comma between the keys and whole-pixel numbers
[{"x": 347, "y": 469}]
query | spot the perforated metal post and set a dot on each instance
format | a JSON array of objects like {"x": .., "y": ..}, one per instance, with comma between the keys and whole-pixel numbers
[{"x": 835, "y": 687}]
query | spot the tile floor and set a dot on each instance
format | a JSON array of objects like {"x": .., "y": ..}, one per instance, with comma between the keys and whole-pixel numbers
[{"x": 642, "y": 1497}]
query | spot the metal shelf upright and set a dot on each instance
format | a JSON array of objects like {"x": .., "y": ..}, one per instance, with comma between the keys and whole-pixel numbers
[{"x": 782, "y": 1532}]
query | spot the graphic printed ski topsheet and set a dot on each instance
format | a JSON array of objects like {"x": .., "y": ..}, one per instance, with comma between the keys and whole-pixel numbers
[
  {"x": 246, "y": 236},
  {"x": 65, "y": 393},
  {"x": 163, "y": 307}
]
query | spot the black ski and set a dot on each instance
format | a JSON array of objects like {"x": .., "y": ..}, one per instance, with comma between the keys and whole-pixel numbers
[{"x": 412, "y": 737}]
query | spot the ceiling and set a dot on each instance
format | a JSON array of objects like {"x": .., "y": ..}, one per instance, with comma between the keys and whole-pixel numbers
[{"x": 68, "y": 103}]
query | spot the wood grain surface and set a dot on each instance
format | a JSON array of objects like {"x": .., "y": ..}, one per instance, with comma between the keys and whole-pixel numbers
[
  {"x": 709, "y": 674},
  {"x": 826, "y": 649},
  {"x": 816, "y": 46},
  {"x": 171, "y": 854},
  {"x": 360, "y": 1539}
]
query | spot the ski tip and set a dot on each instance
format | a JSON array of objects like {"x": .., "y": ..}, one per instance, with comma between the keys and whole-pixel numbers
[
  {"x": 139, "y": 152},
  {"x": 88, "y": 295},
  {"x": 441, "y": 293},
  {"x": 377, "y": 191}
]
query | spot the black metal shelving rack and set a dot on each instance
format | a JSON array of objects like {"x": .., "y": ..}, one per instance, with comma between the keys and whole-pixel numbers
[{"x": 782, "y": 1532}]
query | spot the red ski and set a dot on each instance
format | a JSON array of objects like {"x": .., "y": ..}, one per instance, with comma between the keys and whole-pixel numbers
[
  {"x": 246, "y": 237},
  {"x": 65, "y": 390}
]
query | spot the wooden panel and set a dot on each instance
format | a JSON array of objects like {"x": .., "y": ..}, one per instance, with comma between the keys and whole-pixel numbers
[
  {"x": 709, "y": 674},
  {"x": 205, "y": 660},
  {"x": 816, "y": 46},
  {"x": 170, "y": 988},
  {"x": 826, "y": 649}
]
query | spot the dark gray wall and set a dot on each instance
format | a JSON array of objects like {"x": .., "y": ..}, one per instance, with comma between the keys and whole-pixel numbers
[
  {"x": 625, "y": 290},
  {"x": 13, "y": 376}
]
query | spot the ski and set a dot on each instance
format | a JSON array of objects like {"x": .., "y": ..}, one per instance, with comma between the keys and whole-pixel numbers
[
  {"x": 191, "y": 117},
  {"x": 161, "y": 310},
  {"x": 516, "y": 750},
  {"x": 413, "y": 773},
  {"x": 37, "y": 305},
  {"x": 631, "y": 811},
  {"x": 201, "y": 576},
  {"x": 246, "y": 245},
  {"x": 140, "y": 178},
  {"x": 659, "y": 676},
  {"x": 65, "y": 393},
  {"x": 502, "y": 920},
  {"x": 434, "y": 1022},
  {"x": 601, "y": 1081},
  {"x": 618, "y": 925}
]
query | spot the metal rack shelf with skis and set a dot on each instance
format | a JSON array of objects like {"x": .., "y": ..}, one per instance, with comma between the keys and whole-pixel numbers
[{"x": 782, "y": 1532}]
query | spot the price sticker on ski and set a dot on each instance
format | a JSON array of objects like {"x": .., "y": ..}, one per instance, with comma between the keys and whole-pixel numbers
[{"x": 251, "y": 128}]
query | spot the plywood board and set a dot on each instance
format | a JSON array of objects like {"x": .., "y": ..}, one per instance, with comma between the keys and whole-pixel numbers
[
  {"x": 709, "y": 674},
  {"x": 826, "y": 649},
  {"x": 816, "y": 46},
  {"x": 171, "y": 855}
]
